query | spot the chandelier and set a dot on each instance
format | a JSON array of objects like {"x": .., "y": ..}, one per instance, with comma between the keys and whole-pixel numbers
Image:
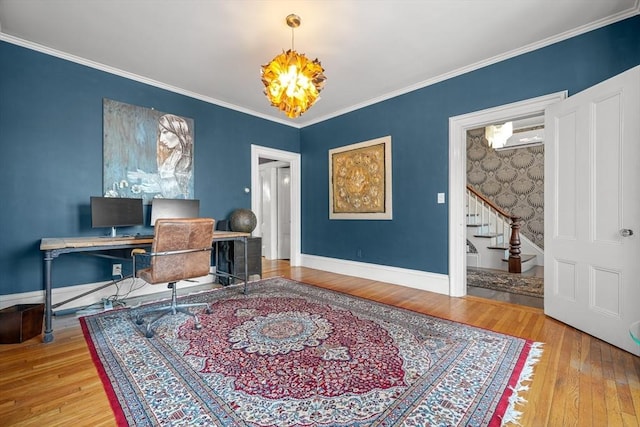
[
  {"x": 292, "y": 81},
  {"x": 497, "y": 135}
]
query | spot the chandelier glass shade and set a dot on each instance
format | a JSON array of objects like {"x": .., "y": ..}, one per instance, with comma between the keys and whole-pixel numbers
[
  {"x": 292, "y": 81},
  {"x": 497, "y": 135}
]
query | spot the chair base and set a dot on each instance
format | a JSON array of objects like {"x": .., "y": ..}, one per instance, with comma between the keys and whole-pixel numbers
[{"x": 171, "y": 309}]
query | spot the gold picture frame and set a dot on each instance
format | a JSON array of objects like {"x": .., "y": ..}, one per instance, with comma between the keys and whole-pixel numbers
[{"x": 360, "y": 180}]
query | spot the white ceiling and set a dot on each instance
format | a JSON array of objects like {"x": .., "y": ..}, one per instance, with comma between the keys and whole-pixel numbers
[{"x": 371, "y": 49}]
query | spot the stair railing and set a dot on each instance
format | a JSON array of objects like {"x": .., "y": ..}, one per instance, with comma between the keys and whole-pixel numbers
[{"x": 499, "y": 222}]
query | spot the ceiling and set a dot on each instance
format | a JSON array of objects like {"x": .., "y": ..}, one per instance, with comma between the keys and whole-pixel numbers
[{"x": 371, "y": 49}]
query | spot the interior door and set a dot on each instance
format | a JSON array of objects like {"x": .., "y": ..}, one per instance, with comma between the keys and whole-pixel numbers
[
  {"x": 266, "y": 213},
  {"x": 592, "y": 210},
  {"x": 284, "y": 212}
]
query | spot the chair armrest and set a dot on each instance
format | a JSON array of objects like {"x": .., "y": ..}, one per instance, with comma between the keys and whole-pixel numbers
[{"x": 136, "y": 252}]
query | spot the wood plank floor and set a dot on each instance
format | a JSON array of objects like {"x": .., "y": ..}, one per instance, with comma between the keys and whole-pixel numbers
[{"x": 579, "y": 381}]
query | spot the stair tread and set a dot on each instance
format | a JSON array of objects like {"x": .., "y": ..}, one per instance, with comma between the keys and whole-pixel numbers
[
  {"x": 523, "y": 258},
  {"x": 488, "y": 235},
  {"x": 477, "y": 225},
  {"x": 502, "y": 248}
]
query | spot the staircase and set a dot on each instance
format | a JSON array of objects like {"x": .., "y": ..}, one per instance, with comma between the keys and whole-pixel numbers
[{"x": 493, "y": 238}]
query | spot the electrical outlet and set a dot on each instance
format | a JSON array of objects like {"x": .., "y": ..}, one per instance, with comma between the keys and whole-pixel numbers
[
  {"x": 108, "y": 305},
  {"x": 116, "y": 270}
]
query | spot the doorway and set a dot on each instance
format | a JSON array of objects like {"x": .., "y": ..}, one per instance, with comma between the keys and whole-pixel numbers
[
  {"x": 458, "y": 128},
  {"x": 505, "y": 170},
  {"x": 280, "y": 158},
  {"x": 275, "y": 209}
]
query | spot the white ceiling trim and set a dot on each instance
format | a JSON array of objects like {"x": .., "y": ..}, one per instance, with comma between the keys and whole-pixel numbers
[
  {"x": 498, "y": 58},
  {"x": 118, "y": 72},
  {"x": 460, "y": 71}
]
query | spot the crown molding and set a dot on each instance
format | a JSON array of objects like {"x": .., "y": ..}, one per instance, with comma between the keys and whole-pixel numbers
[
  {"x": 635, "y": 10},
  {"x": 131, "y": 76},
  {"x": 484, "y": 63}
]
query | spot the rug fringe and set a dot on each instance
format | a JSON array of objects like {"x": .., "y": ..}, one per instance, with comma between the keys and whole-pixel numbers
[{"x": 512, "y": 415}]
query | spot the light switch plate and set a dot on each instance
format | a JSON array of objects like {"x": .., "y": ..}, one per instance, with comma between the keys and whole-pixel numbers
[{"x": 440, "y": 198}]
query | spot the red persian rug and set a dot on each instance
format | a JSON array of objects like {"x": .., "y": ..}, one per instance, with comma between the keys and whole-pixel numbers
[{"x": 290, "y": 354}]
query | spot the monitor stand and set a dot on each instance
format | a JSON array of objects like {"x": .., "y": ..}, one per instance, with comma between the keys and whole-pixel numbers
[{"x": 113, "y": 232}]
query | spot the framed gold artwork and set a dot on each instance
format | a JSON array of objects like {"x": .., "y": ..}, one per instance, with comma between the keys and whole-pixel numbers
[{"x": 360, "y": 180}]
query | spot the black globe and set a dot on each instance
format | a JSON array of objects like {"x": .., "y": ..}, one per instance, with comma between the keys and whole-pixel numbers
[{"x": 243, "y": 220}]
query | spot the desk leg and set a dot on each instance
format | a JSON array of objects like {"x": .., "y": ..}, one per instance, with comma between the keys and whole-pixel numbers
[
  {"x": 48, "y": 310},
  {"x": 217, "y": 259},
  {"x": 246, "y": 265}
]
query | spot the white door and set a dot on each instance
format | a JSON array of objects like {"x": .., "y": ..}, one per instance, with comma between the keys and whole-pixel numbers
[
  {"x": 284, "y": 212},
  {"x": 592, "y": 205},
  {"x": 266, "y": 213},
  {"x": 275, "y": 210}
]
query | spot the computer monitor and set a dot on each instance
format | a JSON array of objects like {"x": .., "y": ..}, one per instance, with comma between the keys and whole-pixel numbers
[
  {"x": 116, "y": 212},
  {"x": 174, "y": 208}
]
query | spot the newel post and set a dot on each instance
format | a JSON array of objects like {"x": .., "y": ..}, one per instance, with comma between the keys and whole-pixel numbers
[{"x": 515, "y": 263}]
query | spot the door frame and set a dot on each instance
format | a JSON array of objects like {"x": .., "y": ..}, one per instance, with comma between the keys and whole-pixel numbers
[
  {"x": 293, "y": 159},
  {"x": 458, "y": 127}
]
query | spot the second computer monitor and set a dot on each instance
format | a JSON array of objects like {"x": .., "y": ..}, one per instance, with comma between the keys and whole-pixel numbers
[{"x": 174, "y": 208}]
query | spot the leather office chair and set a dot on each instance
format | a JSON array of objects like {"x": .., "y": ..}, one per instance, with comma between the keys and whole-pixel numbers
[{"x": 181, "y": 250}]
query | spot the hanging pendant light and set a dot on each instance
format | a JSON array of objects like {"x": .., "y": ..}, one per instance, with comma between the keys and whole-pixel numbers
[
  {"x": 292, "y": 81},
  {"x": 497, "y": 135}
]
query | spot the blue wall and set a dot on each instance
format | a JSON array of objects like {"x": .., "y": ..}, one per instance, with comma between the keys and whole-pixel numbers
[
  {"x": 51, "y": 139},
  {"x": 418, "y": 122}
]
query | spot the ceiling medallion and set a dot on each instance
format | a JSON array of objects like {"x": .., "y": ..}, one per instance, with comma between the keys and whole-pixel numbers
[{"x": 292, "y": 81}]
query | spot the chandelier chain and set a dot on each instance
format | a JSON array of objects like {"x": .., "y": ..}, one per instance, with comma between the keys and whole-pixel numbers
[{"x": 292, "y": 38}]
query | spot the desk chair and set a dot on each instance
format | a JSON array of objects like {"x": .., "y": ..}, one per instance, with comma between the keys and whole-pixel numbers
[{"x": 181, "y": 250}]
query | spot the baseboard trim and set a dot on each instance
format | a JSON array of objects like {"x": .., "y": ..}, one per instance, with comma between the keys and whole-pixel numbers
[
  {"x": 432, "y": 282},
  {"x": 67, "y": 292}
]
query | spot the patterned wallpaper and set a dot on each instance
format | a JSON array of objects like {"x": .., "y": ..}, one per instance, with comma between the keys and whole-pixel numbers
[{"x": 512, "y": 179}]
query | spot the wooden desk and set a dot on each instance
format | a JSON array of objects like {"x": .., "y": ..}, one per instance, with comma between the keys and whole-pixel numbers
[{"x": 52, "y": 247}]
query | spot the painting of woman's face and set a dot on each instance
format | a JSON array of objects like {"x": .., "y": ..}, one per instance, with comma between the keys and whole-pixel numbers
[
  {"x": 168, "y": 138},
  {"x": 147, "y": 153}
]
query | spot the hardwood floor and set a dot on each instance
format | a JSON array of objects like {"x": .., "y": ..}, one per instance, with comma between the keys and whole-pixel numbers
[{"x": 579, "y": 381}]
